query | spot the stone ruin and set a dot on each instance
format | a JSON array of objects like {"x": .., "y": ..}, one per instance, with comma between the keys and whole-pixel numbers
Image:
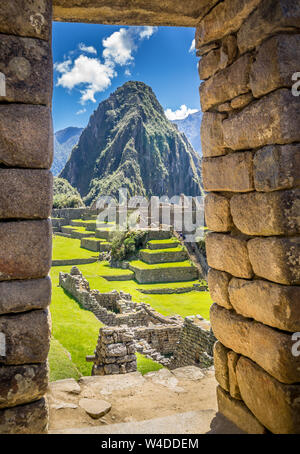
[
  {"x": 250, "y": 142},
  {"x": 169, "y": 341}
]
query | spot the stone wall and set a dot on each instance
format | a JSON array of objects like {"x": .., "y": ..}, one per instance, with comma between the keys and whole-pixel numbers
[
  {"x": 25, "y": 204},
  {"x": 251, "y": 146},
  {"x": 195, "y": 344},
  {"x": 115, "y": 352}
]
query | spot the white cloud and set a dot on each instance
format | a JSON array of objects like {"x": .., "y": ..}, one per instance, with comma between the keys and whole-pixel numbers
[
  {"x": 147, "y": 32},
  {"x": 88, "y": 49},
  {"x": 192, "y": 48},
  {"x": 81, "y": 111},
  {"x": 179, "y": 114},
  {"x": 90, "y": 71},
  {"x": 119, "y": 46},
  {"x": 127, "y": 72}
]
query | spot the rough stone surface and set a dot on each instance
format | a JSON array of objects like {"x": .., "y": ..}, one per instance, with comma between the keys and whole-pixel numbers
[
  {"x": 228, "y": 253},
  {"x": 271, "y": 213},
  {"x": 270, "y": 17},
  {"x": 68, "y": 385},
  {"x": 277, "y": 406},
  {"x": 241, "y": 101},
  {"x": 209, "y": 64},
  {"x": 22, "y": 384},
  {"x": 282, "y": 253},
  {"x": 272, "y": 304},
  {"x": 228, "y": 51},
  {"x": 225, "y": 18},
  {"x": 269, "y": 348},
  {"x": 221, "y": 365},
  {"x": 217, "y": 213},
  {"x": 277, "y": 167},
  {"x": 218, "y": 287},
  {"x": 24, "y": 295},
  {"x": 188, "y": 373},
  {"x": 226, "y": 84},
  {"x": 26, "y": 149},
  {"x": 232, "y": 359},
  {"x": 26, "y": 337},
  {"x": 95, "y": 408},
  {"x": 140, "y": 12},
  {"x": 27, "y": 66},
  {"x": 212, "y": 134},
  {"x": 273, "y": 119},
  {"x": 25, "y": 419},
  {"x": 23, "y": 18},
  {"x": 25, "y": 249},
  {"x": 233, "y": 172},
  {"x": 25, "y": 194},
  {"x": 238, "y": 413},
  {"x": 275, "y": 63}
]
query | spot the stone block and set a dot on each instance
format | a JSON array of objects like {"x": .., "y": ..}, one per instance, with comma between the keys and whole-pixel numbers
[
  {"x": 275, "y": 63},
  {"x": 228, "y": 253},
  {"x": 24, "y": 295},
  {"x": 22, "y": 384},
  {"x": 25, "y": 419},
  {"x": 276, "y": 405},
  {"x": 221, "y": 365},
  {"x": 233, "y": 172},
  {"x": 23, "y": 18},
  {"x": 212, "y": 134},
  {"x": 237, "y": 412},
  {"x": 217, "y": 213},
  {"x": 270, "y": 17},
  {"x": 241, "y": 101},
  {"x": 25, "y": 249},
  {"x": 232, "y": 359},
  {"x": 276, "y": 259},
  {"x": 272, "y": 304},
  {"x": 270, "y": 213},
  {"x": 277, "y": 167},
  {"x": 218, "y": 287},
  {"x": 228, "y": 51},
  {"x": 25, "y": 337},
  {"x": 274, "y": 118},
  {"x": 270, "y": 348},
  {"x": 223, "y": 19},
  {"x": 226, "y": 84},
  {"x": 27, "y": 66},
  {"x": 25, "y": 193},
  {"x": 26, "y": 149}
]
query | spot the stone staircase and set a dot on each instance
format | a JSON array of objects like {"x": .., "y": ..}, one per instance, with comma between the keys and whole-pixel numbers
[{"x": 149, "y": 352}]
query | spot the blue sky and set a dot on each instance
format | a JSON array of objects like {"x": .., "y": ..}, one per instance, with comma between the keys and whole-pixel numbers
[{"x": 91, "y": 61}]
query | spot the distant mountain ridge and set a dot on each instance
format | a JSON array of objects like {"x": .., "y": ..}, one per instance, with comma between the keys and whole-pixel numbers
[
  {"x": 64, "y": 141},
  {"x": 130, "y": 143},
  {"x": 190, "y": 126}
]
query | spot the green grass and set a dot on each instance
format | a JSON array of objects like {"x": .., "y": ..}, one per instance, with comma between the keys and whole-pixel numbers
[
  {"x": 170, "y": 240},
  {"x": 159, "y": 251},
  {"x": 75, "y": 328},
  {"x": 144, "y": 266},
  {"x": 61, "y": 366},
  {"x": 69, "y": 248}
]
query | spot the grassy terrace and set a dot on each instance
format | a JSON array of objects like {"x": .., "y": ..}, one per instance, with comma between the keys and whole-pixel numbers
[
  {"x": 69, "y": 248},
  {"x": 158, "y": 251},
  {"x": 75, "y": 330},
  {"x": 144, "y": 266}
]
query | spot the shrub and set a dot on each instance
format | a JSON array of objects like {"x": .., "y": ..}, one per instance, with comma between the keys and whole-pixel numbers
[
  {"x": 64, "y": 195},
  {"x": 125, "y": 245}
]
